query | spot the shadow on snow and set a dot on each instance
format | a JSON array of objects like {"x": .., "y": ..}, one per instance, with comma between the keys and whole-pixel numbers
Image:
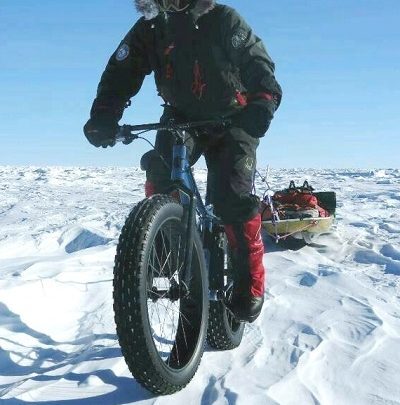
[{"x": 127, "y": 390}]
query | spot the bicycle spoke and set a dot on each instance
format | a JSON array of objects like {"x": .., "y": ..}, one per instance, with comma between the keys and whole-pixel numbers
[
  {"x": 164, "y": 247},
  {"x": 179, "y": 312},
  {"x": 162, "y": 268},
  {"x": 171, "y": 334},
  {"x": 156, "y": 254},
  {"x": 170, "y": 326},
  {"x": 167, "y": 336}
]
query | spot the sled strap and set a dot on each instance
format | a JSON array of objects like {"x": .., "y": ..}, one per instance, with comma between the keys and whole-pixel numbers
[
  {"x": 278, "y": 237},
  {"x": 286, "y": 235}
]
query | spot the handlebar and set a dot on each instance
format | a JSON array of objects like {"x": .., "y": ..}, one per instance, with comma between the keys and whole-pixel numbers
[{"x": 127, "y": 132}]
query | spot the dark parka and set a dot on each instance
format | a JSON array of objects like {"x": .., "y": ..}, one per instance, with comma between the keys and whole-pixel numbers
[{"x": 205, "y": 62}]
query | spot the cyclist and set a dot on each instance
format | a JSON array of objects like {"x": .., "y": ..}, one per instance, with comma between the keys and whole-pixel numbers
[{"x": 207, "y": 64}]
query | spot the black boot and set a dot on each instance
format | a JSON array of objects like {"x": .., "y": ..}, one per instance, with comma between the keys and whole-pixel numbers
[{"x": 244, "y": 307}]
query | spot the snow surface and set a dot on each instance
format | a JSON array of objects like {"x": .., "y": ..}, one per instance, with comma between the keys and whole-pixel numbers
[{"x": 329, "y": 332}]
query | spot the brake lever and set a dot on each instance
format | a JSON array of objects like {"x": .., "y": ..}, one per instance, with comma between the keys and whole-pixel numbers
[{"x": 125, "y": 135}]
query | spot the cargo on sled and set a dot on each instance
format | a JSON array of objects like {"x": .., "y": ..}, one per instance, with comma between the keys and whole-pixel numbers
[{"x": 297, "y": 212}]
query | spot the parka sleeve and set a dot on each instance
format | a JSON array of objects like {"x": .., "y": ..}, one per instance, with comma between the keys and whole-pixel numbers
[
  {"x": 247, "y": 52},
  {"x": 125, "y": 72}
]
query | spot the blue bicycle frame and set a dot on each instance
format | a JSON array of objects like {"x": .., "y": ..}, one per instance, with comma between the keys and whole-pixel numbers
[
  {"x": 182, "y": 173},
  {"x": 184, "y": 182}
]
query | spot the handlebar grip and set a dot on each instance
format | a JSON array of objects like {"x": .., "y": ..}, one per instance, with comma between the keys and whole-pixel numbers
[
  {"x": 125, "y": 131},
  {"x": 125, "y": 135}
]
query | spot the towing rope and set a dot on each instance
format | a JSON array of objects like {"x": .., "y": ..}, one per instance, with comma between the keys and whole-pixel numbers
[{"x": 278, "y": 237}]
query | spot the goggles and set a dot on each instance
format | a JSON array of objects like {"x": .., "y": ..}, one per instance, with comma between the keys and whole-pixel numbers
[{"x": 174, "y": 5}]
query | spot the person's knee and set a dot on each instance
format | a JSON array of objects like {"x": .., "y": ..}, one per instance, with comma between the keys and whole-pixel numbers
[
  {"x": 157, "y": 172},
  {"x": 152, "y": 163},
  {"x": 237, "y": 209}
]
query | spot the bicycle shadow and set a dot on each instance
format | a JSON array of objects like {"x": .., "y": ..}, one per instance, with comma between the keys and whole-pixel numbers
[{"x": 48, "y": 360}]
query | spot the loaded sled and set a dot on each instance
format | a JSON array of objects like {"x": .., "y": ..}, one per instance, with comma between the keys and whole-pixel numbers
[{"x": 297, "y": 212}]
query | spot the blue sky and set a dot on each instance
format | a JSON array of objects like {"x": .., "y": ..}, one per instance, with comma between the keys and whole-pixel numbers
[{"x": 338, "y": 62}]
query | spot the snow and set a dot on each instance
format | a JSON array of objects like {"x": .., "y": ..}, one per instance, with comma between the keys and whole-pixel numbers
[{"x": 329, "y": 332}]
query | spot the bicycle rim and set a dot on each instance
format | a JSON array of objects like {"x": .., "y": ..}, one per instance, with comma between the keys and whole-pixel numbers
[{"x": 174, "y": 315}]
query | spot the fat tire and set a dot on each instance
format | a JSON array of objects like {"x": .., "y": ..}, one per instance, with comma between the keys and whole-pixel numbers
[
  {"x": 130, "y": 300},
  {"x": 224, "y": 332}
]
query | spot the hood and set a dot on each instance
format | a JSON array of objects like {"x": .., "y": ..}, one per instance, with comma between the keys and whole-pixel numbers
[{"x": 150, "y": 9}]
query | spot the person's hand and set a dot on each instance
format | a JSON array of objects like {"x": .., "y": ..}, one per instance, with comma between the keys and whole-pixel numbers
[
  {"x": 101, "y": 131},
  {"x": 254, "y": 119}
]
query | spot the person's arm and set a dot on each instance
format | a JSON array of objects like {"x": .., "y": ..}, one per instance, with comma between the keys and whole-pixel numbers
[
  {"x": 247, "y": 52},
  {"x": 121, "y": 80}
]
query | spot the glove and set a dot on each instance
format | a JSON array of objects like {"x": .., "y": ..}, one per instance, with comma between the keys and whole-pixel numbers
[
  {"x": 254, "y": 119},
  {"x": 102, "y": 126},
  {"x": 100, "y": 130}
]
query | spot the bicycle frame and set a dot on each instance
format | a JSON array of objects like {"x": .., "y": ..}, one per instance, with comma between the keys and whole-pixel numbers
[{"x": 185, "y": 184}]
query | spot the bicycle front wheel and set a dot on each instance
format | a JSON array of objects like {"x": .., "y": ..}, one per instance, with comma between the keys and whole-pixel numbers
[{"x": 161, "y": 322}]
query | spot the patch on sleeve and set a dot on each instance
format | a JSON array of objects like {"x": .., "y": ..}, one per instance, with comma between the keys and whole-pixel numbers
[
  {"x": 239, "y": 38},
  {"x": 122, "y": 53}
]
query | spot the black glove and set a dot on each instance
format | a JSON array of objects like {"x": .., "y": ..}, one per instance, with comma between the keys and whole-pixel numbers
[
  {"x": 100, "y": 130},
  {"x": 254, "y": 119},
  {"x": 102, "y": 126}
]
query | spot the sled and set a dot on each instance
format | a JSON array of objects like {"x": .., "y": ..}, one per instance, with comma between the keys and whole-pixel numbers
[
  {"x": 291, "y": 226},
  {"x": 298, "y": 212}
]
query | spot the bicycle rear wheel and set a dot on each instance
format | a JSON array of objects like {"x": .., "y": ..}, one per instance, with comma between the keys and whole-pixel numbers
[
  {"x": 161, "y": 323},
  {"x": 224, "y": 331}
]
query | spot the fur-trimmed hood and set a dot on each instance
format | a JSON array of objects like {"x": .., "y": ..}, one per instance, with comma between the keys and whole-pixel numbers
[{"x": 150, "y": 10}]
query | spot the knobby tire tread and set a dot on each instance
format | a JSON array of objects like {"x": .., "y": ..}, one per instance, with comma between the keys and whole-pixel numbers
[
  {"x": 219, "y": 333},
  {"x": 128, "y": 318},
  {"x": 131, "y": 243}
]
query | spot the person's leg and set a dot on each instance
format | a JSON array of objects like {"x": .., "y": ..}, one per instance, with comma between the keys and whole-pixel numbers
[
  {"x": 231, "y": 167},
  {"x": 157, "y": 162}
]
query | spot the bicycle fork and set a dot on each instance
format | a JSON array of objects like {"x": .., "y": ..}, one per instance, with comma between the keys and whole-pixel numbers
[
  {"x": 182, "y": 175},
  {"x": 213, "y": 244}
]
